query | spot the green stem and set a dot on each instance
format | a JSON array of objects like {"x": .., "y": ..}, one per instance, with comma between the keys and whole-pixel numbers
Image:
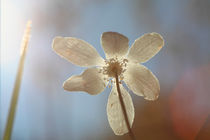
[
  {"x": 123, "y": 108},
  {"x": 13, "y": 105},
  {"x": 15, "y": 94}
]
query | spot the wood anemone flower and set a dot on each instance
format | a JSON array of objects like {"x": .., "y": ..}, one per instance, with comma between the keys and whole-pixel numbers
[{"x": 119, "y": 65}]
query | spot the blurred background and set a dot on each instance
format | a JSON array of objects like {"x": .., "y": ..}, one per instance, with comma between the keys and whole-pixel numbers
[{"x": 46, "y": 112}]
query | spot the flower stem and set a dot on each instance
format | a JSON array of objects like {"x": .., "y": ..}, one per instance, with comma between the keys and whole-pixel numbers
[
  {"x": 124, "y": 109},
  {"x": 15, "y": 94}
]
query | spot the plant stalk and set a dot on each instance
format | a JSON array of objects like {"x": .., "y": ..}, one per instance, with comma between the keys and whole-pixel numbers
[
  {"x": 123, "y": 108},
  {"x": 15, "y": 94}
]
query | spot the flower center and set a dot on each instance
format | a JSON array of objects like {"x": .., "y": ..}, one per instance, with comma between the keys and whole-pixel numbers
[{"x": 114, "y": 66}]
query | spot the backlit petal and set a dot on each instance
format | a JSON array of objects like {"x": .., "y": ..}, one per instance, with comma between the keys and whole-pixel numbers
[
  {"x": 145, "y": 47},
  {"x": 142, "y": 81},
  {"x": 90, "y": 81},
  {"x": 114, "y": 111},
  {"x": 77, "y": 51},
  {"x": 114, "y": 44}
]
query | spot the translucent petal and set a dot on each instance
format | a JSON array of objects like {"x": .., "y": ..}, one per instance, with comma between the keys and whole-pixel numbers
[
  {"x": 142, "y": 81},
  {"x": 145, "y": 47},
  {"x": 114, "y": 111},
  {"x": 90, "y": 81},
  {"x": 114, "y": 44},
  {"x": 77, "y": 51}
]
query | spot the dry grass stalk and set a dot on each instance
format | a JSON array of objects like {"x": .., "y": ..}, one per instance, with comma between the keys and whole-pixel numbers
[{"x": 15, "y": 94}]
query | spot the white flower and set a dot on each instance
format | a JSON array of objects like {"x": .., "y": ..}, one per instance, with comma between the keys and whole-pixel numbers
[{"x": 118, "y": 60}]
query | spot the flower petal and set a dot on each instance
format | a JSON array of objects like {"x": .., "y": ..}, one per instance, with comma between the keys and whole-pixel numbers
[
  {"x": 114, "y": 111},
  {"x": 114, "y": 44},
  {"x": 77, "y": 51},
  {"x": 142, "y": 81},
  {"x": 146, "y": 47},
  {"x": 90, "y": 81}
]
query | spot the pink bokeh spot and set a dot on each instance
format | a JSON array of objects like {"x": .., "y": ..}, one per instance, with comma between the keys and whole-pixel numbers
[{"x": 190, "y": 102}]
